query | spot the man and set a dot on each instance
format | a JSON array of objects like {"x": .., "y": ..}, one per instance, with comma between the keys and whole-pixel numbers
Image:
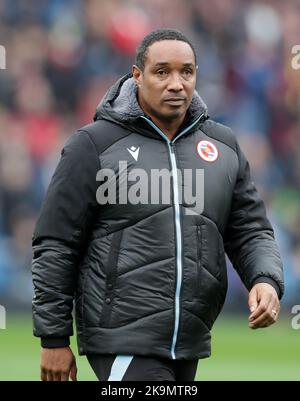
[{"x": 149, "y": 278}]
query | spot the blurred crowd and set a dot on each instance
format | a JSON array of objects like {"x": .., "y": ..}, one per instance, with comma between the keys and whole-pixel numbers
[{"x": 61, "y": 57}]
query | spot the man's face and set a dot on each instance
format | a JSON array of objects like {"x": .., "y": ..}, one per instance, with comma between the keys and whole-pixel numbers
[{"x": 167, "y": 84}]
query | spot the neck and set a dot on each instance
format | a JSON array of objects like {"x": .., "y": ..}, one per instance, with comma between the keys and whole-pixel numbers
[{"x": 169, "y": 128}]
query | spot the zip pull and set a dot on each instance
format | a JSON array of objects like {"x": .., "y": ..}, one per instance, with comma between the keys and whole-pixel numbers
[{"x": 172, "y": 147}]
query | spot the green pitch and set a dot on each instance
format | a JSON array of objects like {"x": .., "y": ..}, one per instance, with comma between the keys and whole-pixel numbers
[{"x": 238, "y": 353}]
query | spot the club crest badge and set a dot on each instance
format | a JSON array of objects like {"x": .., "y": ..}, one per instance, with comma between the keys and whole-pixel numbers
[{"x": 207, "y": 151}]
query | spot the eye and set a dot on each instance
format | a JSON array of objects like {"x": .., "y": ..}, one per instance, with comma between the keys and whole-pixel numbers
[
  {"x": 188, "y": 72},
  {"x": 161, "y": 73}
]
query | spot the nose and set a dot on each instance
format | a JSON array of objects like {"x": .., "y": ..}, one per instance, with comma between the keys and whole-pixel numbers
[{"x": 175, "y": 83}]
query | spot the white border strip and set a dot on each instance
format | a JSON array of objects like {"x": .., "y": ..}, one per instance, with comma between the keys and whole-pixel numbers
[{"x": 119, "y": 367}]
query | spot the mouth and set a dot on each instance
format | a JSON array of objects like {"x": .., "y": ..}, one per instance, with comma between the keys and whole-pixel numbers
[{"x": 175, "y": 101}]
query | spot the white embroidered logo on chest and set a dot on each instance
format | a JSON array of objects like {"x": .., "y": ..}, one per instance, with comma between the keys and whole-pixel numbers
[{"x": 134, "y": 152}]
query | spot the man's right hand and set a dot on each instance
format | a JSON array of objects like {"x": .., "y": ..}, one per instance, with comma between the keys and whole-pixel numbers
[{"x": 57, "y": 364}]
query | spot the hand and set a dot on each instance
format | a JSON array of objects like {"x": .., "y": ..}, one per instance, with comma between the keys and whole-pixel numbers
[
  {"x": 57, "y": 364},
  {"x": 263, "y": 303}
]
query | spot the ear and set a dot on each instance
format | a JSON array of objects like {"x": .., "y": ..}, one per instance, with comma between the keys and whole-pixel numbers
[{"x": 137, "y": 75}]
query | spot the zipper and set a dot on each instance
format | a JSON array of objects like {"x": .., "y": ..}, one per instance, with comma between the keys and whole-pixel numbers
[
  {"x": 179, "y": 248},
  {"x": 177, "y": 223}
]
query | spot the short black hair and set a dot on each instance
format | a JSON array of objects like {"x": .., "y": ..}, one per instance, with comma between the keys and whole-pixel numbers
[{"x": 156, "y": 36}]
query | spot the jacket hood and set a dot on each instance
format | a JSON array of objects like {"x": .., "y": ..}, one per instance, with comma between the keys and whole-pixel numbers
[{"x": 120, "y": 104}]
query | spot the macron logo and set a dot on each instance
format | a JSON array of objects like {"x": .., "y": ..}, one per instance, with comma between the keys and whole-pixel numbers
[{"x": 134, "y": 152}]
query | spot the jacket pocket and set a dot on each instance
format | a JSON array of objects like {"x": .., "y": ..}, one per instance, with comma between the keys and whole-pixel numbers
[
  {"x": 111, "y": 278},
  {"x": 199, "y": 259},
  {"x": 208, "y": 252}
]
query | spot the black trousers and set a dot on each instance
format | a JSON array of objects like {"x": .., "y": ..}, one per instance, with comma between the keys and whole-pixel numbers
[{"x": 141, "y": 368}]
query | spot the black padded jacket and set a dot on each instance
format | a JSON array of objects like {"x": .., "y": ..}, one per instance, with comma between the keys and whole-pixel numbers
[{"x": 147, "y": 278}]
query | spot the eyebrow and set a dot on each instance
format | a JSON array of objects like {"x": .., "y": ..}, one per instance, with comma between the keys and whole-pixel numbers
[{"x": 162, "y": 63}]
